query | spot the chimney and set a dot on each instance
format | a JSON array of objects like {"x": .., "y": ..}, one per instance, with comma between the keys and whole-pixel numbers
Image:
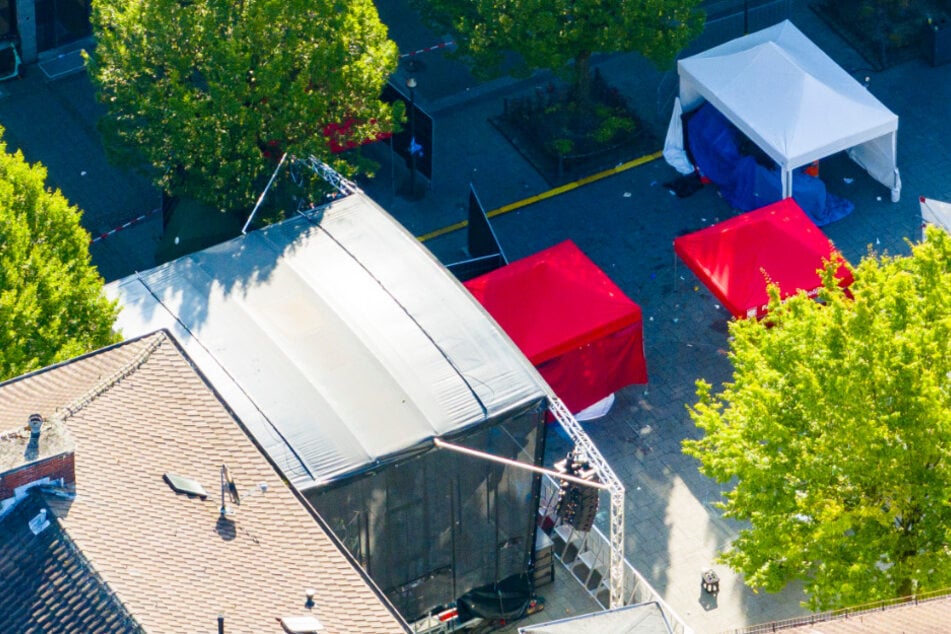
[{"x": 41, "y": 452}]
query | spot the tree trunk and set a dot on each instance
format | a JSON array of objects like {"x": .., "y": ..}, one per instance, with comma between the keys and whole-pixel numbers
[
  {"x": 907, "y": 549},
  {"x": 583, "y": 81}
]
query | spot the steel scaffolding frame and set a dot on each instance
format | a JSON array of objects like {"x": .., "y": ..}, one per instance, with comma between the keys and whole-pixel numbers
[{"x": 585, "y": 445}]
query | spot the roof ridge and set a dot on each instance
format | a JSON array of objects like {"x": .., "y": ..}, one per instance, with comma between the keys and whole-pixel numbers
[{"x": 107, "y": 383}]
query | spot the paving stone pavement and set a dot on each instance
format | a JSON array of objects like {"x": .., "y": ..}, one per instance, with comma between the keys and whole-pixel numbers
[
  {"x": 626, "y": 223},
  {"x": 54, "y": 123}
]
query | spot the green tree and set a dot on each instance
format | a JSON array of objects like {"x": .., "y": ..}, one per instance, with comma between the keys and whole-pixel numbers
[
  {"x": 836, "y": 431},
  {"x": 200, "y": 92},
  {"x": 51, "y": 302},
  {"x": 562, "y": 35}
]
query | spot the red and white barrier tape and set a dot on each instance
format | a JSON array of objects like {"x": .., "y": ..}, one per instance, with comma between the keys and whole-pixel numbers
[
  {"x": 429, "y": 49},
  {"x": 124, "y": 225}
]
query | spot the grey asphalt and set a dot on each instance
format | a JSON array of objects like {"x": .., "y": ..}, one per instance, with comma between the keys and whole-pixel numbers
[{"x": 626, "y": 223}]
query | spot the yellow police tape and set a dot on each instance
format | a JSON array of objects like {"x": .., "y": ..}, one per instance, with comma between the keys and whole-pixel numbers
[{"x": 548, "y": 194}]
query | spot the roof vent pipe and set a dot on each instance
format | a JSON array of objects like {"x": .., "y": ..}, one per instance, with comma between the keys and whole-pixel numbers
[
  {"x": 221, "y": 624},
  {"x": 36, "y": 422}
]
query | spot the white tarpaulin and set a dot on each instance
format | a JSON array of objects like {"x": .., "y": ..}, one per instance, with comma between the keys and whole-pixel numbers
[
  {"x": 338, "y": 340},
  {"x": 794, "y": 102}
]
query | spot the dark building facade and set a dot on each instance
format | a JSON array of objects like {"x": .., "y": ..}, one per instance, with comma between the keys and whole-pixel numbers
[{"x": 40, "y": 26}]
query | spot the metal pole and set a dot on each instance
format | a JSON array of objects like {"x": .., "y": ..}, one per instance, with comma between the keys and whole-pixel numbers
[
  {"x": 277, "y": 169},
  {"x": 411, "y": 84},
  {"x": 393, "y": 156},
  {"x": 442, "y": 444}
]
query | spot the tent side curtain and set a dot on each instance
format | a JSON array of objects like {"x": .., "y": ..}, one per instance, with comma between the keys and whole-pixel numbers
[
  {"x": 877, "y": 157},
  {"x": 588, "y": 374},
  {"x": 794, "y": 102},
  {"x": 438, "y": 524}
]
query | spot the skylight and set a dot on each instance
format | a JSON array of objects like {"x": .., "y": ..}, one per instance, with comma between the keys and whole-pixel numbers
[{"x": 181, "y": 484}]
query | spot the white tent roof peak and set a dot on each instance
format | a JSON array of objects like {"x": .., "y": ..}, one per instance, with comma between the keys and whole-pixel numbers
[
  {"x": 792, "y": 100},
  {"x": 768, "y": 69},
  {"x": 800, "y": 49}
]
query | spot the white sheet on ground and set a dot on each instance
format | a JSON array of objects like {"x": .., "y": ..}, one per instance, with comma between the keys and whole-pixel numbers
[
  {"x": 674, "y": 152},
  {"x": 597, "y": 410}
]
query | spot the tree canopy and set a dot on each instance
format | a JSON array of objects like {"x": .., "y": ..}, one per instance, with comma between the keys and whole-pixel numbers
[
  {"x": 201, "y": 92},
  {"x": 51, "y": 302},
  {"x": 548, "y": 34},
  {"x": 836, "y": 433}
]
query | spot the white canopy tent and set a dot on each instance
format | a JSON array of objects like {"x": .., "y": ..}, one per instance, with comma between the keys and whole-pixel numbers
[
  {"x": 793, "y": 101},
  {"x": 934, "y": 212}
]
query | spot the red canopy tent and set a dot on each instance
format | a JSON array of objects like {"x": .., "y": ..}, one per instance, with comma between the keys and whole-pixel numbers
[
  {"x": 573, "y": 323},
  {"x": 778, "y": 243}
]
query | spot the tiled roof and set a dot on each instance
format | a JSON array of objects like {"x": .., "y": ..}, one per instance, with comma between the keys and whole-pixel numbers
[
  {"x": 45, "y": 585},
  {"x": 923, "y": 617},
  {"x": 140, "y": 413}
]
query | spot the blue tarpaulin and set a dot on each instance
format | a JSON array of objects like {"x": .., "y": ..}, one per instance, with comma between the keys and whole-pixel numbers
[{"x": 746, "y": 178}]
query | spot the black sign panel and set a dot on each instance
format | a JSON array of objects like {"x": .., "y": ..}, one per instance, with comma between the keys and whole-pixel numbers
[
  {"x": 485, "y": 251},
  {"x": 482, "y": 239},
  {"x": 417, "y": 134}
]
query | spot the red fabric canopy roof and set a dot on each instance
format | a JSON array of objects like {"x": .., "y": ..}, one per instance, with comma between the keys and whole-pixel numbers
[
  {"x": 737, "y": 258},
  {"x": 571, "y": 321}
]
